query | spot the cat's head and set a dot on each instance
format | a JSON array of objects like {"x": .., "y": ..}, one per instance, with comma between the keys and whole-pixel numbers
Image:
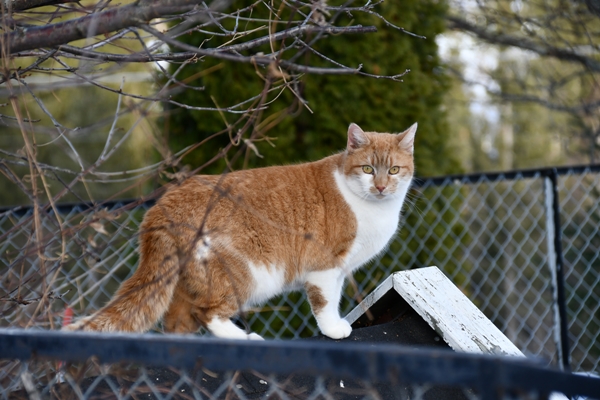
[{"x": 379, "y": 166}]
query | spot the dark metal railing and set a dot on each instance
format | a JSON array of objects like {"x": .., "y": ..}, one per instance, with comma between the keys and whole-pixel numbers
[{"x": 489, "y": 376}]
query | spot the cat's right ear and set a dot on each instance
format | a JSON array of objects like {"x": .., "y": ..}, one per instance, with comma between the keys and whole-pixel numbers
[
  {"x": 356, "y": 137},
  {"x": 407, "y": 138}
]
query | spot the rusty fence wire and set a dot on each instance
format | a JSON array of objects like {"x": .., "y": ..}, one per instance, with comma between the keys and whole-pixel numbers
[{"x": 492, "y": 234}]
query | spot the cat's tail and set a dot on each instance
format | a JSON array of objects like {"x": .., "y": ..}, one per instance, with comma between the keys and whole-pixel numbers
[{"x": 143, "y": 298}]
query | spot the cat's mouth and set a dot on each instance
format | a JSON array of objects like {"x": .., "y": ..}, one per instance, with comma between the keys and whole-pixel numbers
[{"x": 380, "y": 196}]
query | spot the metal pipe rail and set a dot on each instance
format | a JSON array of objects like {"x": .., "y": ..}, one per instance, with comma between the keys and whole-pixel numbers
[{"x": 489, "y": 375}]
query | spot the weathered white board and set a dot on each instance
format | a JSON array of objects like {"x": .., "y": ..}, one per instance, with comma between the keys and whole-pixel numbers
[{"x": 446, "y": 309}]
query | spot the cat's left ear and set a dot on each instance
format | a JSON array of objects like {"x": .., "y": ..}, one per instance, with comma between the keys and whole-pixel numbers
[{"x": 407, "y": 139}]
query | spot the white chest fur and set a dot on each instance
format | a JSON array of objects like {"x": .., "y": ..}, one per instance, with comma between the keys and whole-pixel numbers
[{"x": 377, "y": 222}]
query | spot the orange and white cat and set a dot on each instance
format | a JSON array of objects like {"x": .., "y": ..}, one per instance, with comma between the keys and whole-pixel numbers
[{"x": 215, "y": 245}]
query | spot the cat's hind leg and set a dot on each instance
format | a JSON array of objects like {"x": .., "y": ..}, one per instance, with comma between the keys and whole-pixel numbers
[
  {"x": 219, "y": 288},
  {"x": 324, "y": 291},
  {"x": 184, "y": 316},
  {"x": 180, "y": 317}
]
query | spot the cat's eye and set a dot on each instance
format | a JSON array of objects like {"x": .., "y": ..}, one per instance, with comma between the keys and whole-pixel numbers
[
  {"x": 394, "y": 170},
  {"x": 367, "y": 169}
]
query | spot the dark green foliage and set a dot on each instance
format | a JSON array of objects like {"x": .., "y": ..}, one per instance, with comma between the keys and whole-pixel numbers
[{"x": 375, "y": 104}]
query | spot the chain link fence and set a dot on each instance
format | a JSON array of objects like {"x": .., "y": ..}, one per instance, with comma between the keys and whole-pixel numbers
[
  {"x": 94, "y": 380},
  {"x": 492, "y": 234}
]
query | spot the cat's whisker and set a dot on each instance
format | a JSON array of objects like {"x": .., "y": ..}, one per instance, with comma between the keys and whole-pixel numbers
[
  {"x": 411, "y": 201},
  {"x": 365, "y": 195}
]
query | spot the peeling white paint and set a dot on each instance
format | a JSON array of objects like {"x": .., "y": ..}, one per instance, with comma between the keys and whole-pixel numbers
[
  {"x": 450, "y": 313},
  {"x": 445, "y": 309}
]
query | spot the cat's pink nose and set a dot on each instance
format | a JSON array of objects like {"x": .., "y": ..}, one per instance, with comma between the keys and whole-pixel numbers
[{"x": 380, "y": 188}]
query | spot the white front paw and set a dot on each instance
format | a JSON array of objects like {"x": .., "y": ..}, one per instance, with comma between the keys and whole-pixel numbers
[{"x": 336, "y": 329}]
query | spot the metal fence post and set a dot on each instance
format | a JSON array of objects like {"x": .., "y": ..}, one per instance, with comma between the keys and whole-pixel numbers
[{"x": 555, "y": 260}]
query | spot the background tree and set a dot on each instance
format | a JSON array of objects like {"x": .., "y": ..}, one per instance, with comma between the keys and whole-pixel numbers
[
  {"x": 547, "y": 63},
  {"x": 311, "y": 117},
  {"x": 528, "y": 80}
]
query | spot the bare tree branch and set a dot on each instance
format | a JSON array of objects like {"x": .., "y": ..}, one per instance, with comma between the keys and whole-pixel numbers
[
  {"x": 227, "y": 51},
  {"x": 22, "y": 5},
  {"x": 545, "y": 50},
  {"x": 108, "y": 21},
  {"x": 259, "y": 59}
]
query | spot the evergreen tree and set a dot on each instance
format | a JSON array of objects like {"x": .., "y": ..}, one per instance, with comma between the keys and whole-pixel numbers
[{"x": 375, "y": 104}]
